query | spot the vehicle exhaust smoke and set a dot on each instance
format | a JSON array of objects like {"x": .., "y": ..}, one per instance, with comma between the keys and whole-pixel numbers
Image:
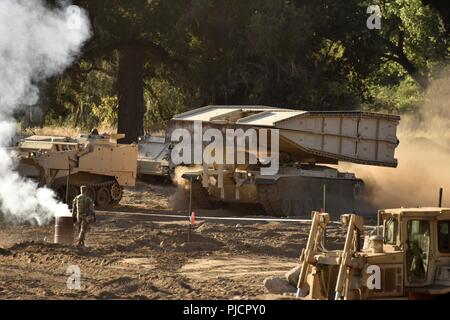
[
  {"x": 423, "y": 156},
  {"x": 36, "y": 42}
]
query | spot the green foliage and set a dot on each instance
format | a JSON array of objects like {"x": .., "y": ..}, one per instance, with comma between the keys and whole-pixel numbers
[
  {"x": 162, "y": 101},
  {"x": 398, "y": 99},
  {"x": 411, "y": 44},
  {"x": 425, "y": 39},
  {"x": 85, "y": 96},
  {"x": 106, "y": 111}
]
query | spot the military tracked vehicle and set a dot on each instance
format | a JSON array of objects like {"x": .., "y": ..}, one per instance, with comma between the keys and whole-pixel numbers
[
  {"x": 407, "y": 256},
  {"x": 308, "y": 142},
  {"x": 154, "y": 157},
  {"x": 64, "y": 164}
]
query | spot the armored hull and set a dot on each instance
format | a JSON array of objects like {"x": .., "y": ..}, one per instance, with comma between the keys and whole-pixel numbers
[
  {"x": 306, "y": 143},
  {"x": 64, "y": 164}
]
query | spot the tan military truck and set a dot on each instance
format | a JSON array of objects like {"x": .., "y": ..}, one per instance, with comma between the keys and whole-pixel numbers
[
  {"x": 408, "y": 256},
  {"x": 64, "y": 164}
]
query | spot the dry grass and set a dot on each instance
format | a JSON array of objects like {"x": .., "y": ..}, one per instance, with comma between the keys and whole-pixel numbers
[
  {"x": 73, "y": 132},
  {"x": 159, "y": 133},
  {"x": 64, "y": 131}
]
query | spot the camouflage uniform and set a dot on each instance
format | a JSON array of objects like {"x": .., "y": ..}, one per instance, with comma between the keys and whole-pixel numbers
[{"x": 83, "y": 214}]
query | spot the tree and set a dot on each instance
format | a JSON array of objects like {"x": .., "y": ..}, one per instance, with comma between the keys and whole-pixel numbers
[
  {"x": 444, "y": 11},
  {"x": 138, "y": 31},
  {"x": 272, "y": 52},
  {"x": 163, "y": 57},
  {"x": 412, "y": 35}
]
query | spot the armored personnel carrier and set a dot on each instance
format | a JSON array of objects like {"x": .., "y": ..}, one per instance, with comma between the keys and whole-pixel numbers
[
  {"x": 308, "y": 143},
  {"x": 64, "y": 164},
  {"x": 153, "y": 157}
]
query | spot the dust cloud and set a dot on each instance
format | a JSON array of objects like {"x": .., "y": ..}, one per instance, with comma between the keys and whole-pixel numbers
[
  {"x": 180, "y": 198},
  {"x": 423, "y": 156}
]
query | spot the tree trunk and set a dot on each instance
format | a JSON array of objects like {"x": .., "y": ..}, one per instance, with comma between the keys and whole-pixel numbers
[
  {"x": 413, "y": 71},
  {"x": 131, "y": 93},
  {"x": 398, "y": 50}
]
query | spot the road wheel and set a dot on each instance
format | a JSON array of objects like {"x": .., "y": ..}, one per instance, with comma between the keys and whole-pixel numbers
[
  {"x": 116, "y": 193},
  {"x": 103, "y": 197}
]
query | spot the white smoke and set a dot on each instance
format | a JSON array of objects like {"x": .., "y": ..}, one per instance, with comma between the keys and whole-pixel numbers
[{"x": 36, "y": 42}]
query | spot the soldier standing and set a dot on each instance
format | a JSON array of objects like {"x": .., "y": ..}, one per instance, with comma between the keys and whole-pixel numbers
[{"x": 83, "y": 214}]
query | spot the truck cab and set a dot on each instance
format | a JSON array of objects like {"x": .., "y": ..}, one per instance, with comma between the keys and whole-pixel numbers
[
  {"x": 422, "y": 235},
  {"x": 406, "y": 256}
]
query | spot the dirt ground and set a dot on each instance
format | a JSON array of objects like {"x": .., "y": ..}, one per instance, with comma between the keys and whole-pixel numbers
[{"x": 144, "y": 257}]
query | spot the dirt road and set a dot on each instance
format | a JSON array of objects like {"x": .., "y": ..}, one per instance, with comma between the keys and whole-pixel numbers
[{"x": 140, "y": 257}]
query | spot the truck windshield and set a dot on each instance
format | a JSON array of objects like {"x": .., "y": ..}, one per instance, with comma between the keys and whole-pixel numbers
[
  {"x": 390, "y": 231},
  {"x": 444, "y": 236},
  {"x": 417, "y": 252}
]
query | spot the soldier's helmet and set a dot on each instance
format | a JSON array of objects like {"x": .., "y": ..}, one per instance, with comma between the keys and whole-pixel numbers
[{"x": 83, "y": 189}]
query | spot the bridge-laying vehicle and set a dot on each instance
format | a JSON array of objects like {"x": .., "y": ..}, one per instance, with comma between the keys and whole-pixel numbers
[
  {"x": 308, "y": 141},
  {"x": 64, "y": 164},
  {"x": 408, "y": 256}
]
